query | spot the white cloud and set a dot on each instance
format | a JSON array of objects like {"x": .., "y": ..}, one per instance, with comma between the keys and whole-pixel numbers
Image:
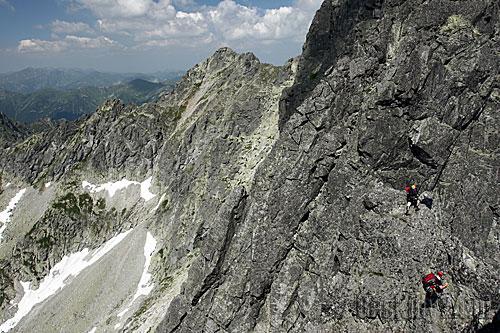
[
  {"x": 64, "y": 27},
  {"x": 7, "y": 4},
  {"x": 147, "y": 24},
  {"x": 229, "y": 22},
  {"x": 68, "y": 43},
  {"x": 124, "y": 8},
  {"x": 236, "y": 22},
  {"x": 308, "y": 4}
]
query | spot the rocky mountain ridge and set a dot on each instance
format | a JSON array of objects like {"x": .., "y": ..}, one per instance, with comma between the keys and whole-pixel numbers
[
  {"x": 274, "y": 195},
  {"x": 232, "y": 97}
]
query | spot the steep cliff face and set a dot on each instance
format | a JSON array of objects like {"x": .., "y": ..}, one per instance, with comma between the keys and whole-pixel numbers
[
  {"x": 270, "y": 199},
  {"x": 385, "y": 92}
]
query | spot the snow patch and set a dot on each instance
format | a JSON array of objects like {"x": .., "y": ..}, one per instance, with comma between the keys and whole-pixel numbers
[
  {"x": 92, "y": 330},
  {"x": 145, "y": 193},
  {"x": 119, "y": 315},
  {"x": 159, "y": 203},
  {"x": 47, "y": 185},
  {"x": 113, "y": 187},
  {"x": 7, "y": 212},
  {"x": 144, "y": 287},
  {"x": 69, "y": 266},
  {"x": 7, "y": 185},
  {"x": 155, "y": 314}
]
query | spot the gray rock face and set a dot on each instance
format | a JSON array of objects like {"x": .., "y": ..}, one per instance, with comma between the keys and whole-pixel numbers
[
  {"x": 281, "y": 202},
  {"x": 385, "y": 92}
]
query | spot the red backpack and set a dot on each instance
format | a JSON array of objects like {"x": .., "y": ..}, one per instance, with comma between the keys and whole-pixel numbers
[{"x": 429, "y": 280}]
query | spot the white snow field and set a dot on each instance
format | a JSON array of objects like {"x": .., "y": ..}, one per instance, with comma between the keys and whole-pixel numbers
[
  {"x": 69, "y": 266},
  {"x": 144, "y": 287},
  {"x": 93, "y": 298},
  {"x": 7, "y": 212},
  {"x": 113, "y": 187}
]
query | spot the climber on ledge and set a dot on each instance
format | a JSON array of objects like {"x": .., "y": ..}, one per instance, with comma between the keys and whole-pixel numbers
[
  {"x": 434, "y": 285},
  {"x": 411, "y": 197}
]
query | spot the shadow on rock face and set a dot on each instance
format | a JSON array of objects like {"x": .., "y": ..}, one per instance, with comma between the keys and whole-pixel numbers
[
  {"x": 493, "y": 327},
  {"x": 427, "y": 202}
]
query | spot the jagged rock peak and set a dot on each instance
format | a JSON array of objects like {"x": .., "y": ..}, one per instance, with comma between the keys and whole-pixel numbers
[
  {"x": 226, "y": 67},
  {"x": 222, "y": 58},
  {"x": 5, "y": 121},
  {"x": 226, "y": 50},
  {"x": 9, "y": 131},
  {"x": 228, "y": 53}
]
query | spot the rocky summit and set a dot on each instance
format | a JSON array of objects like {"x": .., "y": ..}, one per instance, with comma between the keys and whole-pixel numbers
[{"x": 255, "y": 198}]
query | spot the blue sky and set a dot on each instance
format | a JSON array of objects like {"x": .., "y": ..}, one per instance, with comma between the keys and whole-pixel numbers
[{"x": 147, "y": 35}]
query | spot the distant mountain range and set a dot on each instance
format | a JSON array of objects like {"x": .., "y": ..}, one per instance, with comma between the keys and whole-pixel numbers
[
  {"x": 36, "y": 93},
  {"x": 31, "y": 79}
]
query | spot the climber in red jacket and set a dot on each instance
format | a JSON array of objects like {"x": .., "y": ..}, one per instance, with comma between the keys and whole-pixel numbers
[
  {"x": 411, "y": 197},
  {"x": 434, "y": 285}
]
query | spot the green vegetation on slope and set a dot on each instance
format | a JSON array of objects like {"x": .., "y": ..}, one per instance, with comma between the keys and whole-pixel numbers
[{"x": 71, "y": 104}]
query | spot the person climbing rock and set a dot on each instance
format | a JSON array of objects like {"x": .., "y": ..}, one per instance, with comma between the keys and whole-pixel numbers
[
  {"x": 434, "y": 285},
  {"x": 411, "y": 197}
]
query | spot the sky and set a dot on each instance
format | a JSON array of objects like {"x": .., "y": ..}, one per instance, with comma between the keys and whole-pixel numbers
[{"x": 147, "y": 35}]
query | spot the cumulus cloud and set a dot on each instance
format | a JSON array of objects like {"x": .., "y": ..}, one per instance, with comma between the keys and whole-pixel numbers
[
  {"x": 68, "y": 43},
  {"x": 147, "y": 24},
  {"x": 228, "y": 22},
  {"x": 308, "y": 4},
  {"x": 234, "y": 22},
  {"x": 7, "y": 4},
  {"x": 64, "y": 27}
]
